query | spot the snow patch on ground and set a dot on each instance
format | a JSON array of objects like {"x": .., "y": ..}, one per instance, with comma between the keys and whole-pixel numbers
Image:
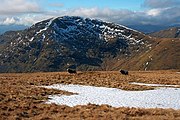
[
  {"x": 154, "y": 85},
  {"x": 158, "y": 98}
]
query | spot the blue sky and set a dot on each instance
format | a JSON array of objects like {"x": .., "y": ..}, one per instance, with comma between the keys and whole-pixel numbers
[
  {"x": 126, "y": 12},
  {"x": 113, "y": 4}
]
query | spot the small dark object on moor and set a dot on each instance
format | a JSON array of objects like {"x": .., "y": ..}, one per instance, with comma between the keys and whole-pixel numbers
[
  {"x": 71, "y": 71},
  {"x": 124, "y": 72}
]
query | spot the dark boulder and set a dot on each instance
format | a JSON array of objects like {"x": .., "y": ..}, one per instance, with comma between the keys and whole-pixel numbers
[
  {"x": 71, "y": 71},
  {"x": 124, "y": 72}
]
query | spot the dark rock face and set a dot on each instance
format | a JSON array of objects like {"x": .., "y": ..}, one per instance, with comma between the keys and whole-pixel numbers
[{"x": 53, "y": 44}]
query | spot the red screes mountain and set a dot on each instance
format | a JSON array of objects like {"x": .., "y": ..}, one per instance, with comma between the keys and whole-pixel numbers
[{"x": 90, "y": 44}]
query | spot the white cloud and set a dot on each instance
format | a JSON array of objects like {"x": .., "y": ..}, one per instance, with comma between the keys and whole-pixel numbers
[
  {"x": 9, "y": 21},
  {"x": 24, "y": 12},
  {"x": 154, "y": 12},
  {"x": 152, "y": 16},
  {"x": 24, "y": 19},
  {"x": 161, "y": 3},
  {"x": 56, "y": 4},
  {"x": 162, "y": 12},
  {"x": 126, "y": 17},
  {"x": 12, "y": 7}
]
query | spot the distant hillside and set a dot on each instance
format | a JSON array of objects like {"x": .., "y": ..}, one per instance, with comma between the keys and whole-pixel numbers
[
  {"x": 5, "y": 28},
  {"x": 168, "y": 33},
  {"x": 148, "y": 28},
  {"x": 89, "y": 44},
  {"x": 164, "y": 55}
]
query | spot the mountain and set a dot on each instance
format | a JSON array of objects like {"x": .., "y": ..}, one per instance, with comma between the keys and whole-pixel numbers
[
  {"x": 90, "y": 44},
  {"x": 151, "y": 28},
  {"x": 148, "y": 28},
  {"x": 5, "y": 28},
  {"x": 168, "y": 33}
]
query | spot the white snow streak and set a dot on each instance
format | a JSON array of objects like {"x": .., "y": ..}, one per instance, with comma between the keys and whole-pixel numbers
[
  {"x": 31, "y": 39},
  {"x": 154, "y": 85},
  {"x": 41, "y": 30}
]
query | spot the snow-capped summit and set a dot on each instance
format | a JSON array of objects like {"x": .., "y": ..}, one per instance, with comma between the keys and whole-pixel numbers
[
  {"x": 70, "y": 28},
  {"x": 56, "y": 43}
]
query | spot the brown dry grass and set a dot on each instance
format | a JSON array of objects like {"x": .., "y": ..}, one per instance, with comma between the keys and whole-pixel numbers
[{"x": 21, "y": 99}]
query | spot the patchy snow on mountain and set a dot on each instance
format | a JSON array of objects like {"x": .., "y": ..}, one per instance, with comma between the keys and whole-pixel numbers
[
  {"x": 41, "y": 30},
  {"x": 158, "y": 98},
  {"x": 31, "y": 39},
  {"x": 69, "y": 39},
  {"x": 178, "y": 31},
  {"x": 50, "y": 21},
  {"x": 69, "y": 27}
]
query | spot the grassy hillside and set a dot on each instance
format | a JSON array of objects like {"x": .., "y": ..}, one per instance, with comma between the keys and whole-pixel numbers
[
  {"x": 168, "y": 33},
  {"x": 164, "y": 54}
]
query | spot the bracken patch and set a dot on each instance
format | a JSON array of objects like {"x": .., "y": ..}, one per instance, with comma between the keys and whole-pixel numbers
[{"x": 20, "y": 98}]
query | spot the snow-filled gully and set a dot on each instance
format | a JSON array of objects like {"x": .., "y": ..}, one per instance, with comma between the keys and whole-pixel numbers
[{"x": 162, "y": 97}]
